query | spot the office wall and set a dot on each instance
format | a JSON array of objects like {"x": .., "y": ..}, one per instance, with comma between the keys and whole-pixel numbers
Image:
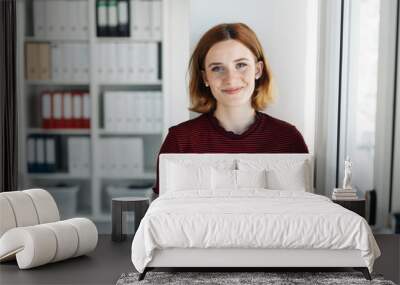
[{"x": 287, "y": 30}]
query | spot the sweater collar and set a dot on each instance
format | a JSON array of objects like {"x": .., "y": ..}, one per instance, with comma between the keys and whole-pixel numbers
[{"x": 218, "y": 127}]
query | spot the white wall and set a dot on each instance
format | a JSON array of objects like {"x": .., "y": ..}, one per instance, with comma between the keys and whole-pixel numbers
[{"x": 287, "y": 30}]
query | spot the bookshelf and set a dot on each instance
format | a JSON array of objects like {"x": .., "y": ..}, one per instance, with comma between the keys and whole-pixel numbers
[{"x": 173, "y": 46}]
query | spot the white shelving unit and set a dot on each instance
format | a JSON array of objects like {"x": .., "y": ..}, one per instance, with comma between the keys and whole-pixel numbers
[{"x": 175, "y": 48}]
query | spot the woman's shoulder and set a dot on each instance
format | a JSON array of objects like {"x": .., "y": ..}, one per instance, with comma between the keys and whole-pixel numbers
[
  {"x": 276, "y": 124},
  {"x": 188, "y": 126},
  {"x": 285, "y": 132}
]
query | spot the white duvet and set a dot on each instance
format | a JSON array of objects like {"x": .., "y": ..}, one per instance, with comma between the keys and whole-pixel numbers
[{"x": 252, "y": 218}]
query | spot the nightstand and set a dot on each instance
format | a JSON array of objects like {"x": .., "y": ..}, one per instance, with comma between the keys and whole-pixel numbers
[
  {"x": 138, "y": 205},
  {"x": 357, "y": 206}
]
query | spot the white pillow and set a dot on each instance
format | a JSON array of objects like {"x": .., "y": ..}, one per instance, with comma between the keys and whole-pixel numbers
[
  {"x": 224, "y": 179},
  {"x": 251, "y": 178},
  {"x": 181, "y": 177},
  {"x": 235, "y": 179},
  {"x": 293, "y": 179},
  {"x": 281, "y": 174}
]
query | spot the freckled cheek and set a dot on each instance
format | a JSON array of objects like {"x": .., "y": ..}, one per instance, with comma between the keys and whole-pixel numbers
[{"x": 216, "y": 83}]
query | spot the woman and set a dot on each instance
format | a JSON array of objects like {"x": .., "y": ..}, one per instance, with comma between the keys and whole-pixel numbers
[{"x": 230, "y": 82}]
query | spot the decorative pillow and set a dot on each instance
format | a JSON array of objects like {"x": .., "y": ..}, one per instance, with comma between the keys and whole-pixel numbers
[
  {"x": 224, "y": 179},
  {"x": 293, "y": 178},
  {"x": 251, "y": 178},
  {"x": 281, "y": 174},
  {"x": 182, "y": 178}
]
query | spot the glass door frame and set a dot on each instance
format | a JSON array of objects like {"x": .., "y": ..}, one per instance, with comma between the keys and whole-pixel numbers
[{"x": 386, "y": 89}]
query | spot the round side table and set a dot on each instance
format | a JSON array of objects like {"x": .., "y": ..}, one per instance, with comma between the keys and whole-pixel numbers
[{"x": 138, "y": 205}]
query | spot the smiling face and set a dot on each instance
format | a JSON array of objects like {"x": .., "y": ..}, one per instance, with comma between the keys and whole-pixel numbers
[{"x": 230, "y": 71}]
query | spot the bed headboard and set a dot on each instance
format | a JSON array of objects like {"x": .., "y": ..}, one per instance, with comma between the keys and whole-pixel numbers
[{"x": 233, "y": 159}]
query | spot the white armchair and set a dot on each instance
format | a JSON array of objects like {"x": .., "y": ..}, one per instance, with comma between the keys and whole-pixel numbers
[{"x": 32, "y": 233}]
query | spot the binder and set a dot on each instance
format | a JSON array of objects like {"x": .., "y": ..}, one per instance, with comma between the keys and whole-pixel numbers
[
  {"x": 111, "y": 62},
  {"x": 140, "y": 23},
  {"x": 69, "y": 61},
  {"x": 98, "y": 51},
  {"x": 32, "y": 61},
  {"x": 117, "y": 114},
  {"x": 148, "y": 112},
  {"x": 81, "y": 62},
  {"x": 79, "y": 156},
  {"x": 57, "y": 109},
  {"x": 119, "y": 156},
  {"x": 50, "y": 154},
  {"x": 125, "y": 159},
  {"x": 159, "y": 61},
  {"x": 159, "y": 108},
  {"x": 146, "y": 18},
  {"x": 86, "y": 111},
  {"x": 31, "y": 154},
  {"x": 108, "y": 121},
  {"x": 85, "y": 62},
  {"x": 67, "y": 104},
  {"x": 138, "y": 112},
  {"x": 40, "y": 155},
  {"x": 153, "y": 115},
  {"x": 63, "y": 61},
  {"x": 56, "y": 69},
  {"x": 130, "y": 116},
  {"x": 141, "y": 112},
  {"x": 112, "y": 18},
  {"x": 78, "y": 58},
  {"x": 85, "y": 156},
  {"x": 121, "y": 63},
  {"x": 140, "y": 58},
  {"x": 135, "y": 155},
  {"x": 77, "y": 109},
  {"x": 44, "y": 61},
  {"x": 156, "y": 20},
  {"x": 46, "y": 110},
  {"x": 123, "y": 18},
  {"x": 131, "y": 62},
  {"x": 83, "y": 23},
  {"x": 64, "y": 18},
  {"x": 52, "y": 18},
  {"x": 152, "y": 52},
  {"x": 73, "y": 19},
  {"x": 103, "y": 162},
  {"x": 39, "y": 18},
  {"x": 145, "y": 54},
  {"x": 120, "y": 110},
  {"x": 109, "y": 164},
  {"x": 72, "y": 62},
  {"x": 106, "y": 62},
  {"x": 127, "y": 119},
  {"x": 101, "y": 19}
]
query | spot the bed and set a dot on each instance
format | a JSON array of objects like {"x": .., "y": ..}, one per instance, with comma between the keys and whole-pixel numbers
[{"x": 247, "y": 210}]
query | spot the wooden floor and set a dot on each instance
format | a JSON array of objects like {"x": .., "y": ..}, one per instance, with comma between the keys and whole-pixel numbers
[{"x": 111, "y": 259}]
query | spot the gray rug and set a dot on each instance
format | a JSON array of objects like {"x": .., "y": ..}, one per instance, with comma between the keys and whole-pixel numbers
[{"x": 228, "y": 278}]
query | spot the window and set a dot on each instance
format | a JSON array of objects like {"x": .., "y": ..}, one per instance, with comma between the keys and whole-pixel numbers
[{"x": 359, "y": 90}]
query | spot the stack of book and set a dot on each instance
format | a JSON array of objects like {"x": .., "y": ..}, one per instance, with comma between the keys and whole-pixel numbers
[{"x": 344, "y": 194}]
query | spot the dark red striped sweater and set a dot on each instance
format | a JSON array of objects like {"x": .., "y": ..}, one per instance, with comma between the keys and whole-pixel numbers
[{"x": 204, "y": 134}]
